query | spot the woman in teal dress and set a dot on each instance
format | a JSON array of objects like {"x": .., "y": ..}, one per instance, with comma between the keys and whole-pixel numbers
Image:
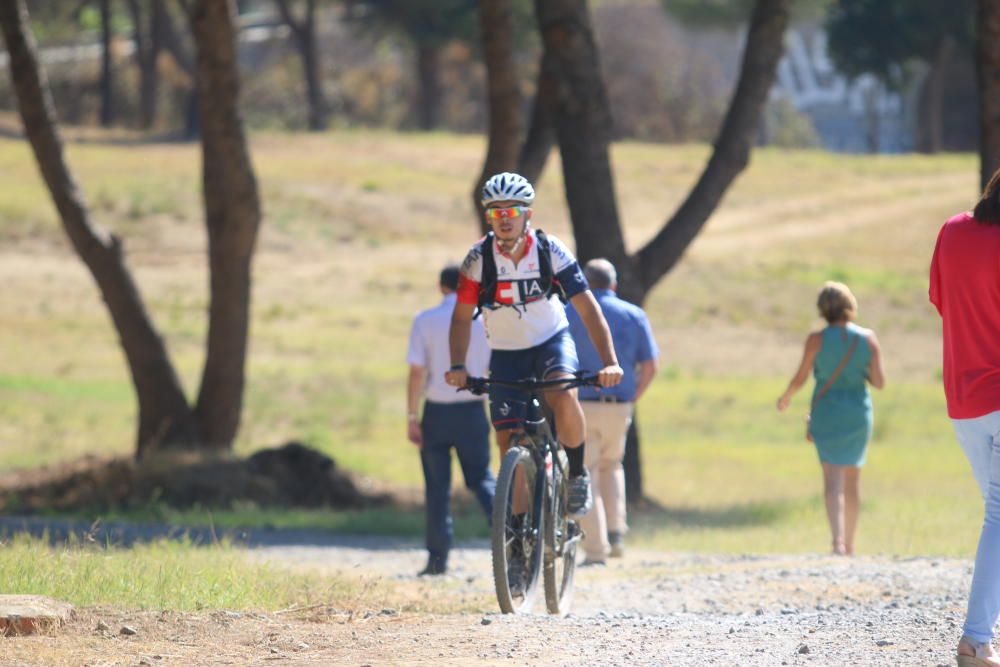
[{"x": 844, "y": 358}]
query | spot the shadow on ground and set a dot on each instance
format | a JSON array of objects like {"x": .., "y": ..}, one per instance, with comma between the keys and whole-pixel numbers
[{"x": 650, "y": 514}]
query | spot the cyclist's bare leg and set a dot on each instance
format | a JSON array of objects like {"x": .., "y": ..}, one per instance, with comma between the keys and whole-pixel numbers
[{"x": 568, "y": 413}]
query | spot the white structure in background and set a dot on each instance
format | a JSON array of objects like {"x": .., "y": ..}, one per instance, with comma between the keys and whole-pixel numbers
[{"x": 855, "y": 116}]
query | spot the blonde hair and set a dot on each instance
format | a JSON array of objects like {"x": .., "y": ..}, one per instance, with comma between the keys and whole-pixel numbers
[{"x": 836, "y": 302}]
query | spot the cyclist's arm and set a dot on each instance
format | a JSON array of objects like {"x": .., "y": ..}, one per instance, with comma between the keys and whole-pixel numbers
[
  {"x": 597, "y": 327},
  {"x": 458, "y": 341}
]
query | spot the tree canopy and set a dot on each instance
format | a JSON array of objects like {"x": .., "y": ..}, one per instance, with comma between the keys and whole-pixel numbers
[{"x": 882, "y": 37}]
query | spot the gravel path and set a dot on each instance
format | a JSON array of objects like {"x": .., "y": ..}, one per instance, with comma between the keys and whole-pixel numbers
[
  {"x": 649, "y": 608},
  {"x": 664, "y": 609}
]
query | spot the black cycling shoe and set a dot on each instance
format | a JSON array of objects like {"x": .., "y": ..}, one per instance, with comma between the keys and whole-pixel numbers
[{"x": 579, "y": 499}]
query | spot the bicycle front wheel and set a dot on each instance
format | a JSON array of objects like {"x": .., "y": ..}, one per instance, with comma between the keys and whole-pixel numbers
[
  {"x": 517, "y": 533},
  {"x": 562, "y": 535}
]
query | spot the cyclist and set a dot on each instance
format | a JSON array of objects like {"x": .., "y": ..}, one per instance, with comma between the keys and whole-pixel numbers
[{"x": 510, "y": 277}]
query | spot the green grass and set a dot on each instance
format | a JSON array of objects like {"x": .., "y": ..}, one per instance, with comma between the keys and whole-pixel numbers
[
  {"x": 162, "y": 575},
  {"x": 733, "y": 475},
  {"x": 350, "y": 249}
]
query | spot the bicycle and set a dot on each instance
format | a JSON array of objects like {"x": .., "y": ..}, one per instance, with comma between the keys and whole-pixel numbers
[{"x": 539, "y": 534}]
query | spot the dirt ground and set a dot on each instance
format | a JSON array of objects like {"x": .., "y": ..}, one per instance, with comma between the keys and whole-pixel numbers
[{"x": 647, "y": 609}]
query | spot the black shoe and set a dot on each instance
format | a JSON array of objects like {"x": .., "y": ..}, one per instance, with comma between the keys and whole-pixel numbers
[
  {"x": 579, "y": 500},
  {"x": 435, "y": 567}
]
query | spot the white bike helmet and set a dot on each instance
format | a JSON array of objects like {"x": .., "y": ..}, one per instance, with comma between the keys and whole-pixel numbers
[{"x": 508, "y": 187}]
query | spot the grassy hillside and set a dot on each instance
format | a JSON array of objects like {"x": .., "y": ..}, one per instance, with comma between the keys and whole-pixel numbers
[{"x": 357, "y": 226}]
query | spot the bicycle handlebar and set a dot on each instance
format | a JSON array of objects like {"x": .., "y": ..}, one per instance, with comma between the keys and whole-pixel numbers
[{"x": 479, "y": 386}]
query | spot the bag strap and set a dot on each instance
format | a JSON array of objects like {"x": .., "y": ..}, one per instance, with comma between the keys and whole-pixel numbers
[
  {"x": 837, "y": 372},
  {"x": 545, "y": 270},
  {"x": 488, "y": 281}
]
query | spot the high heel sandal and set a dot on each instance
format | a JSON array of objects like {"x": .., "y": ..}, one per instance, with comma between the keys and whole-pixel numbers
[{"x": 984, "y": 656}]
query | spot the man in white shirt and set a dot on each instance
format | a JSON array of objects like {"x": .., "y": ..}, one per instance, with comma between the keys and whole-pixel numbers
[{"x": 450, "y": 419}]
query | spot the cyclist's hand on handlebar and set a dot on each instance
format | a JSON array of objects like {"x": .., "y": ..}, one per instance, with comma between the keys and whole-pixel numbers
[
  {"x": 457, "y": 378},
  {"x": 609, "y": 376}
]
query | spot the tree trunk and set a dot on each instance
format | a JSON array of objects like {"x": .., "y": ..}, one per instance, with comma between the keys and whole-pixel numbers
[
  {"x": 174, "y": 44},
  {"x": 988, "y": 61},
  {"x": 541, "y": 134},
  {"x": 107, "y": 84},
  {"x": 304, "y": 35},
  {"x": 314, "y": 85},
  {"x": 873, "y": 121},
  {"x": 496, "y": 25},
  {"x": 192, "y": 115},
  {"x": 232, "y": 215},
  {"x": 165, "y": 419},
  {"x": 582, "y": 117},
  {"x": 148, "y": 43},
  {"x": 932, "y": 98},
  {"x": 581, "y": 114},
  {"x": 429, "y": 94},
  {"x": 764, "y": 48}
]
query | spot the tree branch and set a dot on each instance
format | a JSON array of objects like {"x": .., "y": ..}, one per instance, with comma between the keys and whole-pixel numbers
[
  {"x": 286, "y": 15},
  {"x": 764, "y": 48}
]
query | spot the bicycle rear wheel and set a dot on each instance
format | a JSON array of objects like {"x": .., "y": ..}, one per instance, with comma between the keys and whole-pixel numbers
[
  {"x": 517, "y": 533},
  {"x": 562, "y": 535}
]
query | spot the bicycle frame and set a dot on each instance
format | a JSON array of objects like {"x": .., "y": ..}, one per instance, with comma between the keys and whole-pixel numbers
[
  {"x": 546, "y": 450},
  {"x": 536, "y": 426}
]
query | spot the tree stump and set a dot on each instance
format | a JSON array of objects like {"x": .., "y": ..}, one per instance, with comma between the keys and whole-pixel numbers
[{"x": 29, "y": 614}]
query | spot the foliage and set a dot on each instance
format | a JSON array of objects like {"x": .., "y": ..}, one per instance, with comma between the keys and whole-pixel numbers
[
  {"x": 709, "y": 13},
  {"x": 881, "y": 37},
  {"x": 55, "y": 21},
  {"x": 787, "y": 127},
  {"x": 733, "y": 13},
  {"x": 425, "y": 22},
  {"x": 665, "y": 83}
]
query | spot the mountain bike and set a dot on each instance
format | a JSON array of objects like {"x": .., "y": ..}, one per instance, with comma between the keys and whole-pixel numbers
[{"x": 531, "y": 529}]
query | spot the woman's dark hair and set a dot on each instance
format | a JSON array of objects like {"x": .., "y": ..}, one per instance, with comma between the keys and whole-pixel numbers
[{"x": 988, "y": 208}]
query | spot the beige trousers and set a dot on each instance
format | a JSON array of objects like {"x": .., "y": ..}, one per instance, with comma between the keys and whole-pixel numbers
[{"x": 607, "y": 428}]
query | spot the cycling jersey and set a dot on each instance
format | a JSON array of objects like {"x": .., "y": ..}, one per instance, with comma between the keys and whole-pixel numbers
[{"x": 522, "y": 316}]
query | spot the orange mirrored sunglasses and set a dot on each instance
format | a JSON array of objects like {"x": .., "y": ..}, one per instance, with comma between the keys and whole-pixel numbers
[{"x": 508, "y": 212}]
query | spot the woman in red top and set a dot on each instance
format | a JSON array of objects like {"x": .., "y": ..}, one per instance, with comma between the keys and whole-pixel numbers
[{"x": 965, "y": 288}]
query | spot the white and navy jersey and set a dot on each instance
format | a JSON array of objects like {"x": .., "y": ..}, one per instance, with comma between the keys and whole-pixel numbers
[{"x": 522, "y": 315}]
